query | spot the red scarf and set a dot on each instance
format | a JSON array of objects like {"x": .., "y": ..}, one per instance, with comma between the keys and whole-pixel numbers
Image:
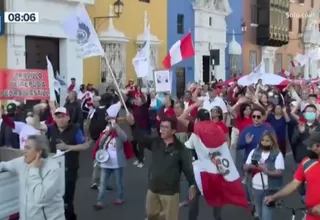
[
  {"x": 127, "y": 148},
  {"x": 165, "y": 113},
  {"x": 194, "y": 111}
]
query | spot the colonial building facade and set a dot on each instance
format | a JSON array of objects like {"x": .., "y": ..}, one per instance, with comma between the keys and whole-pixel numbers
[
  {"x": 27, "y": 45},
  {"x": 210, "y": 29},
  {"x": 293, "y": 28},
  {"x": 123, "y": 35},
  {"x": 180, "y": 22}
]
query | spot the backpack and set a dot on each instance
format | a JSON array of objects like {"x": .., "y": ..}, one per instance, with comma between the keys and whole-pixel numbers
[{"x": 309, "y": 163}]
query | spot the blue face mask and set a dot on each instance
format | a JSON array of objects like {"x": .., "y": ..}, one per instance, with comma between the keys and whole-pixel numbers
[{"x": 310, "y": 116}]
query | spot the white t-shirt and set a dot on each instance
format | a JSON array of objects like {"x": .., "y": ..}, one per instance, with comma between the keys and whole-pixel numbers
[
  {"x": 24, "y": 131},
  {"x": 256, "y": 180},
  {"x": 209, "y": 104},
  {"x": 112, "y": 162}
]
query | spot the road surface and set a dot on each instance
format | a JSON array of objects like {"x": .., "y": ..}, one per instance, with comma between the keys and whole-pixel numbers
[{"x": 135, "y": 192}]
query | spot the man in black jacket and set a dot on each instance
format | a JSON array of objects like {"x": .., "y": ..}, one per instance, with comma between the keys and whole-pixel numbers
[
  {"x": 169, "y": 158},
  {"x": 73, "y": 106}
]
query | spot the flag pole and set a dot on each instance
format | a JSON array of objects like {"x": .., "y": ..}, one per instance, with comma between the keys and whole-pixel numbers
[{"x": 117, "y": 86}]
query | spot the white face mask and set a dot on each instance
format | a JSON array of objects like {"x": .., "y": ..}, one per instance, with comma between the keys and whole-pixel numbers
[{"x": 30, "y": 120}]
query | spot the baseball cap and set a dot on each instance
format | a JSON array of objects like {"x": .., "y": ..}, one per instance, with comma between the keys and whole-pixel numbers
[
  {"x": 314, "y": 138},
  {"x": 203, "y": 115},
  {"x": 11, "y": 107},
  {"x": 61, "y": 110}
]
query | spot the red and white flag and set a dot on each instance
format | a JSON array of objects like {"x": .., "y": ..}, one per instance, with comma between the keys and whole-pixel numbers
[
  {"x": 181, "y": 50},
  {"x": 299, "y": 60},
  {"x": 215, "y": 172}
]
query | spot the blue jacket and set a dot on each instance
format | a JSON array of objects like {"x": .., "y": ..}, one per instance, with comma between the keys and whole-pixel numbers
[{"x": 257, "y": 132}]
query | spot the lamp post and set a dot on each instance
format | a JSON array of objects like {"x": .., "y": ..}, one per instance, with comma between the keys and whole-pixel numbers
[{"x": 117, "y": 11}]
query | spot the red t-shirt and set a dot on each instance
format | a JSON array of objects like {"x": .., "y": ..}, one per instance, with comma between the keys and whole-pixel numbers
[
  {"x": 223, "y": 126},
  {"x": 312, "y": 179},
  {"x": 242, "y": 123}
]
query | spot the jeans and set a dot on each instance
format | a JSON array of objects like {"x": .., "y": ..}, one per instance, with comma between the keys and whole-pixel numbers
[
  {"x": 71, "y": 181},
  {"x": 264, "y": 212},
  {"x": 104, "y": 179},
  {"x": 194, "y": 209}
]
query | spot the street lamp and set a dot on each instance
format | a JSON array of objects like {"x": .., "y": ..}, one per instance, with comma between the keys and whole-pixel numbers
[
  {"x": 117, "y": 11},
  {"x": 243, "y": 27},
  {"x": 117, "y": 7}
]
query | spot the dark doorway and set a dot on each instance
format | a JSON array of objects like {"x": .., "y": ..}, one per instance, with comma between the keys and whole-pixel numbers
[
  {"x": 206, "y": 69},
  {"x": 180, "y": 81},
  {"x": 37, "y": 48}
]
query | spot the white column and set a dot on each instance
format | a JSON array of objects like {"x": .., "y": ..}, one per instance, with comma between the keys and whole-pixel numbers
[
  {"x": 306, "y": 67},
  {"x": 198, "y": 70}
]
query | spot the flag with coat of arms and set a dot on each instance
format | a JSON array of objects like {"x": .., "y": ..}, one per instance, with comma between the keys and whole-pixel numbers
[{"x": 216, "y": 175}]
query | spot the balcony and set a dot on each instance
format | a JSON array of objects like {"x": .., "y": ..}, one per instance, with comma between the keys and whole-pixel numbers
[{"x": 273, "y": 25}]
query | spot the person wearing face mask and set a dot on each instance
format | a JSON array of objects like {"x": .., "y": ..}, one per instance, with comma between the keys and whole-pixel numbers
[
  {"x": 302, "y": 132},
  {"x": 266, "y": 164},
  {"x": 307, "y": 172}
]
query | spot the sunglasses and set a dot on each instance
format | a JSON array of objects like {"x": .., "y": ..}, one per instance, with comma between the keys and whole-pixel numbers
[{"x": 256, "y": 116}]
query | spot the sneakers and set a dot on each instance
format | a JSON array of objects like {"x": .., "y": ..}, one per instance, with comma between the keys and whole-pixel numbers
[
  {"x": 140, "y": 165},
  {"x": 94, "y": 186},
  {"x": 98, "y": 207},
  {"x": 136, "y": 162},
  {"x": 118, "y": 202}
]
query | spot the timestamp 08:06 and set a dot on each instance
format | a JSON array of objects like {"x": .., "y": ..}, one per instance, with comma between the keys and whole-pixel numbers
[{"x": 21, "y": 17}]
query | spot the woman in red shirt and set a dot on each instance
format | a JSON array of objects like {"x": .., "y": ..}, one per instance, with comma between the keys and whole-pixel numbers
[
  {"x": 217, "y": 117},
  {"x": 242, "y": 114}
]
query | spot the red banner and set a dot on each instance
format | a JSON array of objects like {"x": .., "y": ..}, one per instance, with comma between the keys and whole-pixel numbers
[{"x": 24, "y": 84}]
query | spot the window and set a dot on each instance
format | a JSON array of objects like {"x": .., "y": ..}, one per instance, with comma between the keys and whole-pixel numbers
[
  {"x": 180, "y": 24},
  {"x": 278, "y": 63},
  {"x": 312, "y": 3},
  {"x": 180, "y": 81},
  {"x": 290, "y": 24},
  {"x": 266, "y": 61},
  {"x": 254, "y": 14},
  {"x": 253, "y": 60},
  {"x": 146, "y": 1},
  {"x": 210, "y": 21},
  {"x": 300, "y": 26},
  {"x": 301, "y": 1}
]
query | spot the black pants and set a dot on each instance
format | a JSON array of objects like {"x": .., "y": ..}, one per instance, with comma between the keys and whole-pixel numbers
[
  {"x": 194, "y": 209},
  {"x": 70, "y": 190},
  {"x": 138, "y": 151}
]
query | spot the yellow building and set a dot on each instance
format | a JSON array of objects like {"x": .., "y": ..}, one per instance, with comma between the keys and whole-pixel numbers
[
  {"x": 122, "y": 36},
  {"x": 3, "y": 49}
]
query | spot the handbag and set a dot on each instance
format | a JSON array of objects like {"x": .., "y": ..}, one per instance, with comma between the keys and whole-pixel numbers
[{"x": 102, "y": 154}]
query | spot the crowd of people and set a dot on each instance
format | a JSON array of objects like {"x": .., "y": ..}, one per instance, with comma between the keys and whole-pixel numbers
[{"x": 258, "y": 122}]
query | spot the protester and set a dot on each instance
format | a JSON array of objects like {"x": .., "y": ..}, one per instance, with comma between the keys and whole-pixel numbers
[
  {"x": 250, "y": 137},
  {"x": 266, "y": 164},
  {"x": 72, "y": 86},
  {"x": 112, "y": 142},
  {"x": 74, "y": 108},
  {"x": 169, "y": 158},
  {"x": 40, "y": 180},
  {"x": 66, "y": 136},
  {"x": 307, "y": 172},
  {"x": 7, "y": 136}
]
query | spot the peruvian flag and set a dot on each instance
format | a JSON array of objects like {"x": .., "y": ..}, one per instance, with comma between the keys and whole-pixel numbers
[
  {"x": 287, "y": 74},
  {"x": 215, "y": 172},
  {"x": 181, "y": 50}
]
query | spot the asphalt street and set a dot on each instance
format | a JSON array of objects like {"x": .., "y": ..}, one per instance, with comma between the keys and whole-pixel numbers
[{"x": 135, "y": 191}]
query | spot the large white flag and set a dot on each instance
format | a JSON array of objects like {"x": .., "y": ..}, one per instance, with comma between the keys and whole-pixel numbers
[
  {"x": 51, "y": 80},
  {"x": 141, "y": 62},
  {"x": 314, "y": 55},
  {"x": 79, "y": 26}
]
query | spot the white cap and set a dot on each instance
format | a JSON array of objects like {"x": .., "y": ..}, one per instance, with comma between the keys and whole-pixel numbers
[{"x": 61, "y": 110}]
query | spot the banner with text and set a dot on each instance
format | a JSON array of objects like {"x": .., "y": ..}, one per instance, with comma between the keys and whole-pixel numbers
[{"x": 24, "y": 84}]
